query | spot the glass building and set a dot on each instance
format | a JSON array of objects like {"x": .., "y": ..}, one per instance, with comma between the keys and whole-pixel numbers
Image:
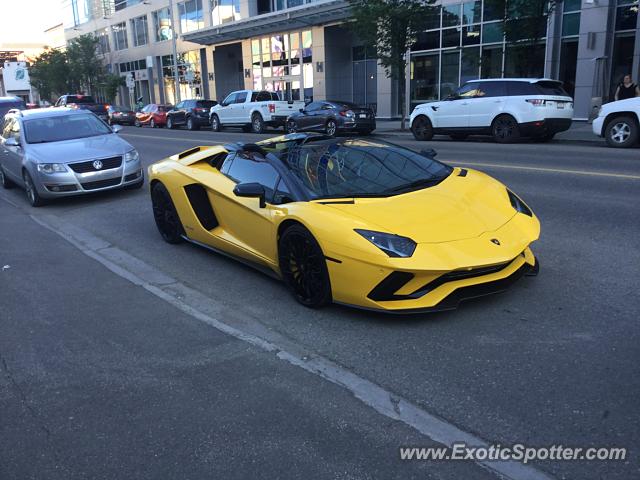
[{"x": 304, "y": 49}]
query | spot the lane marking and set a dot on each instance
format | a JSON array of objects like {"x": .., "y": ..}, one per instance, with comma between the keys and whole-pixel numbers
[
  {"x": 173, "y": 139},
  {"x": 197, "y": 305},
  {"x": 549, "y": 170}
]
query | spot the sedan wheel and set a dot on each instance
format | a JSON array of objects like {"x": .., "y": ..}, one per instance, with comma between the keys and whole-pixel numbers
[
  {"x": 32, "y": 193},
  {"x": 505, "y": 129},
  {"x": 165, "y": 215},
  {"x": 4, "y": 181},
  {"x": 621, "y": 132},
  {"x": 137, "y": 123},
  {"x": 304, "y": 268},
  {"x": 292, "y": 127},
  {"x": 152, "y": 123},
  {"x": 422, "y": 129},
  {"x": 169, "y": 123},
  {"x": 331, "y": 128}
]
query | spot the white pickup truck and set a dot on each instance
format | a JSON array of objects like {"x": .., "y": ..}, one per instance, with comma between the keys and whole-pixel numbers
[{"x": 252, "y": 110}]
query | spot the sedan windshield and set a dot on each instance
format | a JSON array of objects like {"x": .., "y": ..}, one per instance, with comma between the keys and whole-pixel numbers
[
  {"x": 63, "y": 127},
  {"x": 358, "y": 168}
]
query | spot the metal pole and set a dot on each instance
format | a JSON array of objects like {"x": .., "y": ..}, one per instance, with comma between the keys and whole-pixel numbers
[{"x": 174, "y": 41}]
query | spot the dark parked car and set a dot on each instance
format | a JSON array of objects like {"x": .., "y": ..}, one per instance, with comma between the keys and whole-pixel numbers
[
  {"x": 191, "y": 113},
  {"x": 83, "y": 102},
  {"x": 10, "y": 103},
  {"x": 332, "y": 117},
  {"x": 120, "y": 115}
]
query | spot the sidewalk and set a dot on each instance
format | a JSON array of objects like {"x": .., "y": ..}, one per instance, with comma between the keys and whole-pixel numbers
[{"x": 580, "y": 131}]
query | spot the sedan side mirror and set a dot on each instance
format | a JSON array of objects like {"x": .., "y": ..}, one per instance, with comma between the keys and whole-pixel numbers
[
  {"x": 251, "y": 190},
  {"x": 11, "y": 142},
  {"x": 302, "y": 110},
  {"x": 116, "y": 128},
  {"x": 429, "y": 153}
]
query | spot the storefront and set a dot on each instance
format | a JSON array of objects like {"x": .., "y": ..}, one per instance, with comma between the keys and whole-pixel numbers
[{"x": 189, "y": 76}]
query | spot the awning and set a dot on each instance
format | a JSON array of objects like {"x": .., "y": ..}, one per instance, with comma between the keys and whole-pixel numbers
[{"x": 296, "y": 18}]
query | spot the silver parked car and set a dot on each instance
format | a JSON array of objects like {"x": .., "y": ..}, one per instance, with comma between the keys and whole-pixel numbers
[{"x": 57, "y": 152}]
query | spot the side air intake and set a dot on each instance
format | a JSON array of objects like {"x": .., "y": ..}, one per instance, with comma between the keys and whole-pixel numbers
[{"x": 201, "y": 205}]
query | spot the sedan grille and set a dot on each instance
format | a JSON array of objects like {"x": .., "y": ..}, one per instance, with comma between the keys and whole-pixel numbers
[
  {"x": 111, "y": 182},
  {"x": 86, "y": 167}
]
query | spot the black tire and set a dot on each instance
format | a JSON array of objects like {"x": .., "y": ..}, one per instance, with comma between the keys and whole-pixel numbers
[
  {"x": 291, "y": 126},
  {"x": 170, "y": 124},
  {"x": 304, "y": 267},
  {"x": 4, "y": 180},
  {"x": 32, "y": 192},
  {"x": 505, "y": 129},
  {"x": 459, "y": 137},
  {"x": 215, "y": 123},
  {"x": 257, "y": 123},
  {"x": 166, "y": 215},
  {"x": 422, "y": 129},
  {"x": 137, "y": 124},
  {"x": 621, "y": 132},
  {"x": 331, "y": 128},
  {"x": 191, "y": 125}
]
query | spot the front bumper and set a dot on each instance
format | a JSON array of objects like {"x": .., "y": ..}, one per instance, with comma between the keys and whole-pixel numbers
[
  {"x": 70, "y": 183},
  {"x": 544, "y": 127},
  {"x": 598, "y": 124}
]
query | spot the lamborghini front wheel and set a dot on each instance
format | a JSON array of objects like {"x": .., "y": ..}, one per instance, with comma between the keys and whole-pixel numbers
[
  {"x": 303, "y": 267},
  {"x": 165, "y": 214}
]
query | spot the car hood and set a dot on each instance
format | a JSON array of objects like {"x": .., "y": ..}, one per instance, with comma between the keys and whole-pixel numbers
[
  {"x": 461, "y": 207},
  {"x": 79, "y": 149},
  {"x": 620, "y": 105}
]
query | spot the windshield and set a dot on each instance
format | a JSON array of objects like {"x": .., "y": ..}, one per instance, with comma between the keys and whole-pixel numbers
[
  {"x": 63, "y": 127},
  {"x": 164, "y": 108},
  {"x": 358, "y": 168},
  {"x": 78, "y": 99},
  {"x": 205, "y": 104}
]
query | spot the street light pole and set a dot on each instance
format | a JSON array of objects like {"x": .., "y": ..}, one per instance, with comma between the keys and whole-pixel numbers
[{"x": 174, "y": 41}]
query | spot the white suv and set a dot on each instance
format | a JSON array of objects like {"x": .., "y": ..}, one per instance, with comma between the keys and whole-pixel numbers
[
  {"x": 619, "y": 122},
  {"x": 506, "y": 108}
]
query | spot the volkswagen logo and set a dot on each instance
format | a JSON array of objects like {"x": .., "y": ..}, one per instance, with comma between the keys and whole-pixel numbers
[
  {"x": 495, "y": 241},
  {"x": 97, "y": 164}
]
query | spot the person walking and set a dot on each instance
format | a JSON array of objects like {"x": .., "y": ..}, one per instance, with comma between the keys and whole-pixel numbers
[{"x": 627, "y": 89}]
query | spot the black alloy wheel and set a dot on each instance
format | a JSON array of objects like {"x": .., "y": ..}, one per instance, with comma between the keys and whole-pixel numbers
[
  {"x": 165, "y": 215},
  {"x": 292, "y": 127},
  {"x": 505, "y": 129},
  {"x": 422, "y": 129},
  {"x": 331, "y": 128},
  {"x": 304, "y": 267},
  {"x": 215, "y": 123}
]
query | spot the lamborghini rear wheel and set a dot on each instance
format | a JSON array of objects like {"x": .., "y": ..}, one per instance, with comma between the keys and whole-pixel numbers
[
  {"x": 165, "y": 214},
  {"x": 304, "y": 268}
]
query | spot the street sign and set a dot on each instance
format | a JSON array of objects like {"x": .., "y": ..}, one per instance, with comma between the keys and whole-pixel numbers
[{"x": 131, "y": 83}]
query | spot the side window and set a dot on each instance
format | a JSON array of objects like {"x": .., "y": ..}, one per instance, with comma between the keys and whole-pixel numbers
[
  {"x": 326, "y": 106},
  {"x": 231, "y": 98},
  {"x": 226, "y": 164},
  {"x": 312, "y": 107},
  {"x": 15, "y": 130},
  {"x": 245, "y": 169},
  {"x": 468, "y": 90},
  {"x": 282, "y": 195},
  {"x": 520, "y": 88},
  {"x": 241, "y": 97},
  {"x": 180, "y": 105},
  {"x": 492, "y": 89}
]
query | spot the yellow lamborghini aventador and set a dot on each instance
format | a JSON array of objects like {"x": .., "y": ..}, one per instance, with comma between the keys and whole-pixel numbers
[{"x": 359, "y": 222}]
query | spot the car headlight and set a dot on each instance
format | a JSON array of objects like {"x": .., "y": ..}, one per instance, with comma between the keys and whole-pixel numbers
[
  {"x": 51, "y": 167},
  {"x": 518, "y": 204},
  {"x": 392, "y": 245},
  {"x": 131, "y": 156}
]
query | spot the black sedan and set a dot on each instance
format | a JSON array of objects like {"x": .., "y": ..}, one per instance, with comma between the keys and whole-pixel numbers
[
  {"x": 332, "y": 117},
  {"x": 120, "y": 115},
  {"x": 193, "y": 114}
]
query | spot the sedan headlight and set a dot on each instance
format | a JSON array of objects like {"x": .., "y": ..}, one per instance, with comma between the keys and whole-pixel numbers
[
  {"x": 518, "y": 204},
  {"x": 392, "y": 245},
  {"x": 51, "y": 167},
  {"x": 131, "y": 156}
]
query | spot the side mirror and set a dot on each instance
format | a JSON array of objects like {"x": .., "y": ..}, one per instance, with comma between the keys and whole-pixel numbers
[
  {"x": 452, "y": 96},
  {"x": 116, "y": 128},
  {"x": 429, "y": 153},
  {"x": 302, "y": 110},
  {"x": 11, "y": 142},
  {"x": 251, "y": 190}
]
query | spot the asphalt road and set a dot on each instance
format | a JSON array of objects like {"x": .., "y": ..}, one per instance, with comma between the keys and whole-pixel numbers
[{"x": 149, "y": 381}]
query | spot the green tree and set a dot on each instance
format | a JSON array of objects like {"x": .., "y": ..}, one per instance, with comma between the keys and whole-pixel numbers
[
  {"x": 391, "y": 27},
  {"x": 85, "y": 65},
  {"x": 50, "y": 74},
  {"x": 111, "y": 84},
  {"x": 525, "y": 25}
]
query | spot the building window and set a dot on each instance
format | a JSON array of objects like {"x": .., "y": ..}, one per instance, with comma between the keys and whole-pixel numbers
[
  {"x": 470, "y": 64},
  {"x": 162, "y": 25},
  {"x": 569, "y": 44},
  {"x": 191, "y": 15},
  {"x": 224, "y": 11},
  {"x": 491, "y": 61},
  {"x": 424, "y": 71},
  {"x": 450, "y": 73},
  {"x": 122, "y": 4},
  {"x": 623, "y": 42},
  {"x": 140, "y": 31},
  {"x": 103, "y": 41},
  {"x": 120, "y": 41},
  {"x": 189, "y": 76},
  {"x": 627, "y": 15},
  {"x": 75, "y": 12}
]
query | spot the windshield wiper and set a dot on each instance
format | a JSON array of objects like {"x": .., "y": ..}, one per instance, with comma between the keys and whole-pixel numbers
[{"x": 421, "y": 183}]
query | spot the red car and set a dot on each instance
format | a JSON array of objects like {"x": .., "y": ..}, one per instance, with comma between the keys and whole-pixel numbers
[{"x": 153, "y": 115}]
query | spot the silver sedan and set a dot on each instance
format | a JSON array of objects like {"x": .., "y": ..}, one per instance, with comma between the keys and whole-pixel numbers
[{"x": 57, "y": 152}]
